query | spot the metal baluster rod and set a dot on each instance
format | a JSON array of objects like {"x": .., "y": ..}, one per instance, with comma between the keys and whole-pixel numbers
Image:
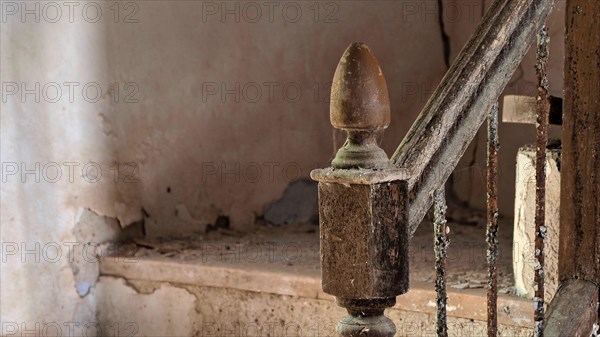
[
  {"x": 543, "y": 111},
  {"x": 491, "y": 234},
  {"x": 440, "y": 246}
]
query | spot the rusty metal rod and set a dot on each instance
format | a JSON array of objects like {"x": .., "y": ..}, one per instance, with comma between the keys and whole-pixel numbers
[
  {"x": 491, "y": 234},
  {"x": 440, "y": 247},
  {"x": 450, "y": 119},
  {"x": 543, "y": 111}
]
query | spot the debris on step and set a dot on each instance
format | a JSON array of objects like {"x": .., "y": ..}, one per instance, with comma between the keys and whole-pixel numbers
[{"x": 461, "y": 286}]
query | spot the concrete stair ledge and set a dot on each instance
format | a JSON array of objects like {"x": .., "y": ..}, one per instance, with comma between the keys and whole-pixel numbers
[{"x": 208, "y": 275}]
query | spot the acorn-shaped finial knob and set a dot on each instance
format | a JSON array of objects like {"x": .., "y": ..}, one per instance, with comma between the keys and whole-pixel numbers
[{"x": 361, "y": 106}]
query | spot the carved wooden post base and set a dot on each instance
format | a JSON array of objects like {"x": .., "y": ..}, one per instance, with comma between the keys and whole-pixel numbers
[
  {"x": 360, "y": 150},
  {"x": 366, "y": 318}
]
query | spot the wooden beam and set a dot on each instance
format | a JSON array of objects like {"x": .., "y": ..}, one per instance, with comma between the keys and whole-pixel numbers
[
  {"x": 573, "y": 310},
  {"x": 451, "y": 118},
  {"x": 579, "y": 247}
]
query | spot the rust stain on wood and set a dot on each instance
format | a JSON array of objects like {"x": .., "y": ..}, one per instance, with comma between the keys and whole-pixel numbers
[
  {"x": 543, "y": 111},
  {"x": 440, "y": 246},
  {"x": 491, "y": 234}
]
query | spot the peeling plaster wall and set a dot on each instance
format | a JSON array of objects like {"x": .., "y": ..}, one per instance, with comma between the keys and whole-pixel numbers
[
  {"x": 175, "y": 149},
  {"x": 222, "y": 154},
  {"x": 185, "y": 154},
  {"x": 41, "y": 201}
]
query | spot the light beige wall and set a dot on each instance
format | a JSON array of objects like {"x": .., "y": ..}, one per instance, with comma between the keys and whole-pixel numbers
[
  {"x": 39, "y": 209},
  {"x": 209, "y": 150},
  {"x": 159, "y": 120}
]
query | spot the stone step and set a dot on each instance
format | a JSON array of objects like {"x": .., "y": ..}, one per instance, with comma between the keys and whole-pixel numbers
[{"x": 247, "y": 285}]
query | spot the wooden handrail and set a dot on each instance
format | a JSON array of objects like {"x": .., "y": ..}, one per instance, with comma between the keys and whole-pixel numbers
[{"x": 450, "y": 119}]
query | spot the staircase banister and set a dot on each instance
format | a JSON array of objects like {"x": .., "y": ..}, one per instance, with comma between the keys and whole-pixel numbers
[{"x": 451, "y": 118}]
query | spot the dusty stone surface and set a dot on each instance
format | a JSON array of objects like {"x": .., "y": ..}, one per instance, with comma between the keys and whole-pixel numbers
[
  {"x": 524, "y": 226},
  {"x": 227, "y": 270},
  {"x": 202, "y": 311},
  {"x": 296, "y": 249},
  {"x": 163, "y": 311},
  {"x": 213, "y": 311},
  {"x": 466, "y": 262}
]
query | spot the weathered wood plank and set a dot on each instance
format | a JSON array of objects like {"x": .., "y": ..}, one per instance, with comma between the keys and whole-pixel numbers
[
  {"x": 579, "y": 248},
  {"x": 574, "y": 309}
]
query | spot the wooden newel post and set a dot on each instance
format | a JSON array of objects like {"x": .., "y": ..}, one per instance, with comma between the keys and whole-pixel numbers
[{"x": 362, "y": 203}]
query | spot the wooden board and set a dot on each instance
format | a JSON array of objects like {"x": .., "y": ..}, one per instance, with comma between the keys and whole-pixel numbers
[
  {"x": 575, "y": 309},
  {"x": 580, "y": 184},
  {"x": 570, "y": 317}
]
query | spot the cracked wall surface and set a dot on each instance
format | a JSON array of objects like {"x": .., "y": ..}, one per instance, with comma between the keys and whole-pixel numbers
[{"x": 158, "y": 145}]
